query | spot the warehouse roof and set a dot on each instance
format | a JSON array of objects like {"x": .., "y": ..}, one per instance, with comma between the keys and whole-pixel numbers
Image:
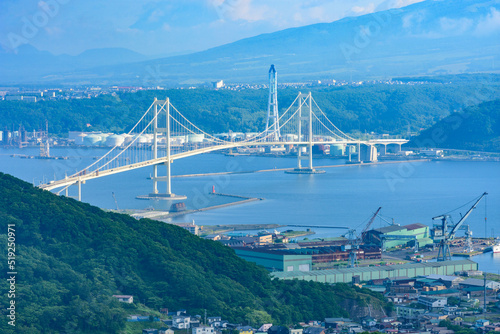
[
  {"x": 415, "y": 226},
  {"x": 444, "y": 278},
  {"x": 387, "y": 229},
  {"x": 354, "y": 271},
  {"x": 440, "y": 292}
]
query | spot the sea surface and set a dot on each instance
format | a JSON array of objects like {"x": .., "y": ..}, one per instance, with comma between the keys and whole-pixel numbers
[{"x": 343, "y": 197}]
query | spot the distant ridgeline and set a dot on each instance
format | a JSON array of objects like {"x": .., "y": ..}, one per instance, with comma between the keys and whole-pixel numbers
[
  {"x": 382, "y": 108},
  {"x": 72, "y": 257},
  {"x": 476, "y": 128}
]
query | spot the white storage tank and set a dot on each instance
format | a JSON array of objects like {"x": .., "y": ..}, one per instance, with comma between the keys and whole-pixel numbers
[
  {"x": 196, "y": 138},
  {"x": 104, "y": 136},
  {"x": 141, "y": 139},
  {"x": 337, "y": 149},
  {"x": 178, "y": 140},
  {"x": 115, "y": 140},
  {"x": 127, "y": 138},
  {"x": 92, "y": 140}
]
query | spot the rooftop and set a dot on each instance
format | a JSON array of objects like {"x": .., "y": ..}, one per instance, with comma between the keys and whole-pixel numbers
[
  {"x": 414, "y": 226},
  {"x": 443, "y": 277},
  {"x": 387, "y": 229},
  {"x": 297, "y": 274}
]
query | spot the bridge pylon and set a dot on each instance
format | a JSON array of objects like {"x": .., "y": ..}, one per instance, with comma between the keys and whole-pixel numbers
[
  {"x": 157, "y": 131},
  {"x": 272, "y": 123},
  {"x": 305, "y": 136}
]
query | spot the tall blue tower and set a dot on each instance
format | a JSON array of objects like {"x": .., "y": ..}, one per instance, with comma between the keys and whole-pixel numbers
[{"x": 272, "y": 123}]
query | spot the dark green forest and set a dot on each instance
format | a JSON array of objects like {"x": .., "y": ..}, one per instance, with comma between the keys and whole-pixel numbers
[
  {"x": 381, "y": 108},
  {"x": 476, "y": 128},
  {"x": 71, "y": 258}
]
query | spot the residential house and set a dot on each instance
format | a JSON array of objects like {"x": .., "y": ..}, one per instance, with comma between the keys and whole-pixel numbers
[
  {"x": 441, "y": 330},
  {"x": 214, "y": 321},
  {"x": 433, "y": 302},
  {"x": 202, "y": 330},
  {"x": 481, "y": 323},
  {"x": 278, "y": 330},
  {"x": 264, "y": 328},
  {"x": 492, "y": 327},
  {"x": 296, "y": 331},
  {"x": 450, "y": 310},
  {"x": 336, "y": 323},
  {"x": 353, "y": 328},
  {"x": 474, "y": 282},
  {"x": 408, "y": 312},
  {"x": 181, "y": 322},
  {"x": 245, "y": 329},
  {"x": 165, "y": 330},
  {"x": 150, "y": 331},
  {"x": 368, "y": 322},
  {"x": 314, "y": 330},
  {"x": 125, "y": 298}
]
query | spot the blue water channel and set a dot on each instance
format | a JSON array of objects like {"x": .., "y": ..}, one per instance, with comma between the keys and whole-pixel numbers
[{"x": 343, "y": 197}]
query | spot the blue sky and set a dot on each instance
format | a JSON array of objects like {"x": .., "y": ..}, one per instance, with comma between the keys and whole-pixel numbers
[{"x": 160, "y": 27}]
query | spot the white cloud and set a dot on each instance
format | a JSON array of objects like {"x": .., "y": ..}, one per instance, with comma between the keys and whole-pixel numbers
[
  {"x": 455, "y": 26},
  {"x": 370, "y": 8},
  {"x": 490, "y": 24},
  {"x": 411, "y": 21}
]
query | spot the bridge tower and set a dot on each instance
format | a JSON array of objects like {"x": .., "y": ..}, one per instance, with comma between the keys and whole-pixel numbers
[
  {"x": 273, "y": 133},
  {"x": 305, "y": 136},
  {"x": 157, "y": 131}
]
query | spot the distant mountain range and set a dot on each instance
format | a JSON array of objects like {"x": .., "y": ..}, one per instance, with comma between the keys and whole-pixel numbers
[{"x": 427, "y": 38}]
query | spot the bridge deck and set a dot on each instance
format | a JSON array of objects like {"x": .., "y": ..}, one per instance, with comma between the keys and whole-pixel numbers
[{"x": 97, "y": 174}]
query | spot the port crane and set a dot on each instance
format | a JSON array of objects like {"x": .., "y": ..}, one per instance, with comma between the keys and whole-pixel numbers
[
  {"x": 354, "y": 241},
  {"x": 390, "y": 223},
  {"x": 445, "y": 238}
]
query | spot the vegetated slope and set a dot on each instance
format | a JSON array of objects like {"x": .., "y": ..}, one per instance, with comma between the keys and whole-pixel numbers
[
  {"x": 476, "y": 128},
  {"x": 378, "y": 107},
  {"x": 72, "y": 257}
]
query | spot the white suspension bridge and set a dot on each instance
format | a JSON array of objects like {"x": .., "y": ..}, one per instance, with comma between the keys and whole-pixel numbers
[{"x": 301, "y": 126}]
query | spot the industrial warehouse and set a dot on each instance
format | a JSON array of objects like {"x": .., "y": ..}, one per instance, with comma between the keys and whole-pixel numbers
[
  {"x": 305, "y": 256},
  {"x": 364, "y": 274}
]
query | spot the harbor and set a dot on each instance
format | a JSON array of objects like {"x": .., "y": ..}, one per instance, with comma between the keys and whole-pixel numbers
[{"x": 406, "y": 191}]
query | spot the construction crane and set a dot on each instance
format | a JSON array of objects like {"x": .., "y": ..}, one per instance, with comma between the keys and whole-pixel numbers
[
  {"x": 355, "y": 240},
  {"x": 445, "y": 238},
  {"x": 363, "y": 233},
  {"x": 468, "y": 246},
  {"x": 390, "y": 223}
]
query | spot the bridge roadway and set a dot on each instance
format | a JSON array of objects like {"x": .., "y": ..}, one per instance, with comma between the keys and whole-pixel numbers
[{"x": 97, "y": 174}]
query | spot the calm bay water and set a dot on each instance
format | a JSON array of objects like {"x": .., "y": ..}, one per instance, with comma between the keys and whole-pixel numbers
[{"x": 342, "y": 197}]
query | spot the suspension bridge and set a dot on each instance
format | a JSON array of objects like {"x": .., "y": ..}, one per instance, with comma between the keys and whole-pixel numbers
[{"x": 163, "y": 134}]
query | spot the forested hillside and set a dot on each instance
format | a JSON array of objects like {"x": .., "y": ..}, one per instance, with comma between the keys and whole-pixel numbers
[
  {"x": 382, "y": 108},
  {"x": 72, "y": 257},
  {"x": 475, "y": 128}
]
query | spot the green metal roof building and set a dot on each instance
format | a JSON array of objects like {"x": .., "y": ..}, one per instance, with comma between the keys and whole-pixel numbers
[
  {"x": 368, "y": 273},
  {"x": 275, "y": 259},
  {"x": 420, "y": 231}
]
